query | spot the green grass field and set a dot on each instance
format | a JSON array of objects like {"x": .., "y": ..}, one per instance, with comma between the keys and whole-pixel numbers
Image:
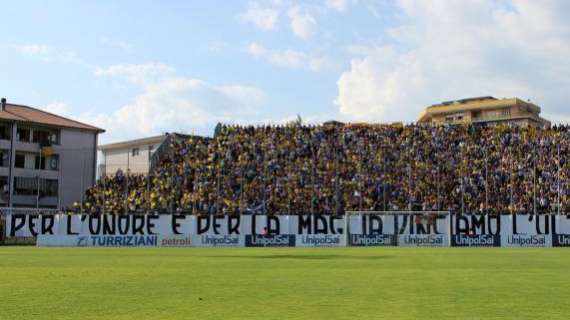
[{"x": 292, "y": 283}]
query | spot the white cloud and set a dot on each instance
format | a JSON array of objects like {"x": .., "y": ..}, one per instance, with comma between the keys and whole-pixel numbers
[
  {"x": 122, "y": 45},
  {"x": 245, "y": 96},
  {"x": 455, "y": 49},
  {"x": 32, "y": 49},
  {"x": 360, "y": 50},
  {"x": 339, "y": 5},
  {"x": 57, "y": 107},
  {"x": 288, "y": 58},
  {"x": 136, "y": 73},
  {"x": 46, "y": 53},
  {"x": 263, "y": 17},
  {"x": 313, "y": 119},
  {"x": 173, "y": 103},
  {"x": 302, "y": 24},
  {"x": 255, "y": 49}
]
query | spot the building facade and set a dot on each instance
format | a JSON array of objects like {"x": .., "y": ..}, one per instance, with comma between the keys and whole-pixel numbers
[
  {"x": 133, "y": 155},
  {"x": 485, "y": 110},
  {"x": 140, "y": 155},
  {"x": 46, "y": 161}
]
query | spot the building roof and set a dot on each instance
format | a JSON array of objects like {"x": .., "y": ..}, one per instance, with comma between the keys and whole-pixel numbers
[
  {"x": 25, "y": 114},
  {"x": 133, "y": 143},
  {"x": 470, "y": 104},
  {"x": 146, "y": 141},
  {"x": 467, "y": 100}
]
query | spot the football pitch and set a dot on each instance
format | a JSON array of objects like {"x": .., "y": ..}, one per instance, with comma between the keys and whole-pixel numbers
[{"x": 284, "y": 283}]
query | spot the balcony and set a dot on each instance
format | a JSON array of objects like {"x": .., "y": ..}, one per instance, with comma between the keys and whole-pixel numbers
[
  {"x": 31, "y": 201},
  {"x": 504, "y": 118}
]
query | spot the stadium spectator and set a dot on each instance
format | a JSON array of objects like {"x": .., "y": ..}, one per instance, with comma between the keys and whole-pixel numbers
[{"x": 332, "y": 168}]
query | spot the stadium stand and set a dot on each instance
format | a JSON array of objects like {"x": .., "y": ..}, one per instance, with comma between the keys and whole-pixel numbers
[{"x": 335, "y": 167}]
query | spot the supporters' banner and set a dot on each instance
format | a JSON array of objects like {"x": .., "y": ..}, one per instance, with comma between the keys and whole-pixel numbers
[
  {"x": 152, "y": 230},
  {"x": 425, "y": 229},
  {"x": 372, "y": 230},
  {"x": 527, "y": 230},
  {"x": 561, "y": 234},
  {"x": 217, "y": 231},
  {"x": 317, "y": 230},
  {"x": 268, "y": 231},
  {"x": 33, "y": 225},
  {"x": 22, "y": 225},
  {"x": 239, "y": 231},
  {"x": 245, "y": 230},
  {"x": 475, "y": 231},
  {"x": 266, "y": 225},
  {"x": 316, "y": 224},
  {"x": 422, "y": 230},
  {"x": 429, "y": 229}
]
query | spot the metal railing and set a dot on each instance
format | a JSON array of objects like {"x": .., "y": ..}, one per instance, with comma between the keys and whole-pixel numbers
[{"x": 28, "y": 211}]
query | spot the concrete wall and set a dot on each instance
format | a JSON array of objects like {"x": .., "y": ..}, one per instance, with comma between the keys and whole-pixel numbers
[
  {"x": 77, "y": 159},
  {"x": 115, "y": 159}
]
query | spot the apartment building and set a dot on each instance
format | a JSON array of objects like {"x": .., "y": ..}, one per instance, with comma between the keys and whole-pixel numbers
[
  {"x": 137, "y": 156},
  {"x": 46, "y": 161},
  {"x": 133, "y": 155},
  {"x": 488, "y": 110}
]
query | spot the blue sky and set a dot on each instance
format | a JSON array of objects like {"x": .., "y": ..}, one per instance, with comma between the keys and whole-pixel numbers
[{"x": 138, "y": 68}]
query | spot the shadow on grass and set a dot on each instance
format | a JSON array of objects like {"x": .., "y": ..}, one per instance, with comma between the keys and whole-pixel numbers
[{"x": 301, "y": 257}]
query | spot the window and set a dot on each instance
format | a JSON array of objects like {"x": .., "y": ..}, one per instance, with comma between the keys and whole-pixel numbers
[
  {"x": 53, "y": 162},
  {"x": 45, "y": 136},
  {"x": 40, "y": 136},
  {"x": 31, "y": 160},
  {"x": 54, "y": 137},
  {"x": 48, "y": 188},
  {"x": 23, "y": 134},
  {"x": 25, "y": 186},
  {"x": 4, "y": 158},
  {"x": 20, "y": 160},
  {"x": 506, "y": 112},
  {"x": 29, "y": 187},
  {"x": 37, "y": 164},
  {"x": 4, "y": 190},
  {"x": 47, "y": 163},
  {"x": 135, "y": 152},
  {"x": 5, "y": 130}
]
